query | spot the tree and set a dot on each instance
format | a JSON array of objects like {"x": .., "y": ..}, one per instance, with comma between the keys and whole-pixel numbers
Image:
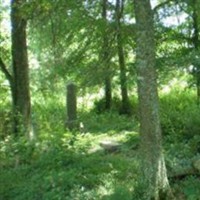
[
  {"x": 196, "y": 44},
  {"x": 154, "y": 175},
  {"x": 21, "y": 93},
  {"x": 125, "y": 107},
  {"x": 106, "y": 59}
]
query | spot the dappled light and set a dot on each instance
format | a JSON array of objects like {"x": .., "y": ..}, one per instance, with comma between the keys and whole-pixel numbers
[{"x": 99, "y": 100}]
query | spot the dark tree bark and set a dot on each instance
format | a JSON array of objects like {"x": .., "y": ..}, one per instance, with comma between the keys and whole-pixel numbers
[
  {"x": 21, "y": 93},
  {"x": 106, "y": 59},
  {"x": 153, "y": 169},
  {"x": 125, "y": 107},
  {"x": 108, "y": 93}
]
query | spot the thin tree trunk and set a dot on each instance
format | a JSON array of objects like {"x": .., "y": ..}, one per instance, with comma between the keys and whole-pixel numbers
[
  {"x": 106, "y": 60},
  {"x": 153, "y": 170},
  {"x": 8, "y": 76},
  {"x": 196, "y": 41},
  {"x": 21, "y": 96},
  {"x": 125, "y": 108},
  {"x": 108, "y": 93}
]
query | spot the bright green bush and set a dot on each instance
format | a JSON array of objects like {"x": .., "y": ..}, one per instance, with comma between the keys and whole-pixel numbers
[{"x": 180, "y": 115}]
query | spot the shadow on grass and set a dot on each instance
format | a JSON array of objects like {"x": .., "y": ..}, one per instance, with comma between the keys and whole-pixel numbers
[
  {"x": 58, "y": 171},
  {"x": 109, "y": 122}
]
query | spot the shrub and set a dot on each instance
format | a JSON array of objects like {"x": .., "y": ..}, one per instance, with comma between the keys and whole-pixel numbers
[
  {"x": 6, "y": 123},
  {"x": 100, "y": 105},
  {"x": 180, "y": 115}
]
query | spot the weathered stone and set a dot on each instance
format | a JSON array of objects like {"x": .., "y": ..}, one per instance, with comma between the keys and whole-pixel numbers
[
  {"x": 71, "y": 122},
  {"x": 110, "y": 146}
]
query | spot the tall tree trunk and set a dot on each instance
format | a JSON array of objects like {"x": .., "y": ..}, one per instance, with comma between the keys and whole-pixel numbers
[
  {"x": 125, "y": 107},
  {"x": 154, "y": 175},
  {"x": 195, "y": 7},
  {"x": 21, "y": 96},
  {"x": 106, "y": 60},
  {"x": 108, "y": 93}
]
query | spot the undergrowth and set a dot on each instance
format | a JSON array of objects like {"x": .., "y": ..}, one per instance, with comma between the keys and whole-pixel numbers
[{"x": 65, "y": 165}]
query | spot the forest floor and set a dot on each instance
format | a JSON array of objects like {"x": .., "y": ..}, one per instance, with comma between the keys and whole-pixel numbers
[{"x": 62, "y": 165}]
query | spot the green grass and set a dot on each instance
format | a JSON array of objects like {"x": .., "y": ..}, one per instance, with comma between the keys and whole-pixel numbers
[
  {"x": 64, "y": 165},
  {"x": 61, "y": 171}
]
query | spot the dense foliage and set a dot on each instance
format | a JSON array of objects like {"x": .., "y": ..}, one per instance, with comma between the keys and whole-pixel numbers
[
  {"x": 73, "y": 41},
  {"x": 65, "y": 165}
]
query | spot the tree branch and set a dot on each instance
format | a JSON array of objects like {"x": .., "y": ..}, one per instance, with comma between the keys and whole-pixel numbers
[
  {"x": 162, "y": 4},
  {"x": 5, "y": 71}
]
